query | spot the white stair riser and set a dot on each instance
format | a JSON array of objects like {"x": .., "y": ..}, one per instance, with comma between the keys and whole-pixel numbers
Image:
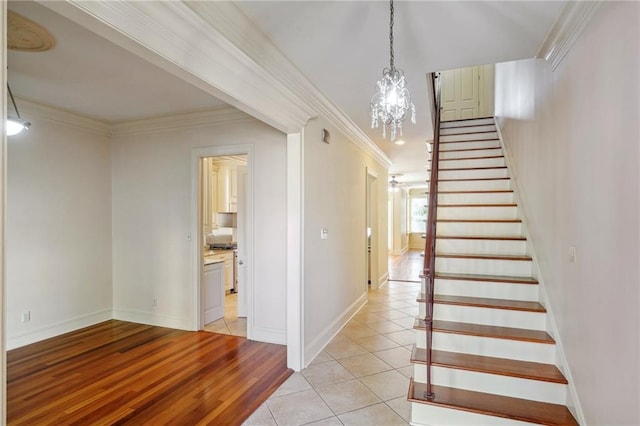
[
  {"x": 476, "y": 153},
  {"x": 487, "y": 289},
  {"x": 477, "y": 212},
  {"x": 470, "y": 145},
  {"x": 432, "y": 415},
  {"x": 475, "y": 185},
  {"x": 471, "y": 162},
  {"x": 535, "y": 390},
  {"x": 487, "y": 316},
  {"x": 472, "y": 174},
  {"x": 514, "y": 268},
  {"x": 450, "y": 245},
  {"x": 488, "y": 346},
  {"x": 468, "y": 137},
  {"x": 473, "y": 122},
  {"x": 467, "y": 129},
  {"x": 479, "y": 228},
  {"x": 476, "y": 198}
]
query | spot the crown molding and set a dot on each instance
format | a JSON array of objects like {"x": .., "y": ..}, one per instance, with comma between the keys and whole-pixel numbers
[
  {"x": 172, "y": 36},
  {"x": 31, "y": 109},
  {"x": 188, "y": 120},
  {"x": 214, "y": 46},
  {"x": 230, "y": 21},
  {"x": 573, "y": 18}
]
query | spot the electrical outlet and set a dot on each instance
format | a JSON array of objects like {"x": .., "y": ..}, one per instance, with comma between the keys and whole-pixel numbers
[
  {"x": 26, "y": 316},
  {"x": 154, "y": 302}
]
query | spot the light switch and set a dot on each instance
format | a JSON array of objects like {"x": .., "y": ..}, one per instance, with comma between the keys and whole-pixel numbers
[
  {"x": 573, "y": 256},
  {"x": 324, "y": 234}
]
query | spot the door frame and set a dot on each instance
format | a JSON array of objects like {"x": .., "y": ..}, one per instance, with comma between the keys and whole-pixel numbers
[
  {"x": 196, "y": 234},
  {"x": 371, "y": 220}
]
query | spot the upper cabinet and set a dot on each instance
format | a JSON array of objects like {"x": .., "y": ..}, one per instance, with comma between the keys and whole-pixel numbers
[{"x": 227, "y": 189}]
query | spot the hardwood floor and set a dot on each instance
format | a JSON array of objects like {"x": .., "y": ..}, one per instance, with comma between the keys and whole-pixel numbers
[
  {"x": 406, "y": 267},
  {"x": 125, "y": 373}
]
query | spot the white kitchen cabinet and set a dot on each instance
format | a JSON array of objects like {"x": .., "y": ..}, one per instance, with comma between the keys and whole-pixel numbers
[
  {"x": 227, "y": 259},
  {"x": 213, "y": 292},
  {"x": 209, "y": 196}
]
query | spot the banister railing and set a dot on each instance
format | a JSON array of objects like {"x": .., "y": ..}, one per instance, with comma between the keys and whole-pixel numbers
[{"x": 428, "y": 273}]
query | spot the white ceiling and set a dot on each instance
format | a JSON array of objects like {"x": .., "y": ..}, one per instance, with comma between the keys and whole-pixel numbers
[
  {"x": 86, "y": 74},
  {"x": 341, "y": 46}
]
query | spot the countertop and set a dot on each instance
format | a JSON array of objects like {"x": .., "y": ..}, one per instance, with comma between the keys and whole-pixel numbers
[{"x": 208, "y": 260}]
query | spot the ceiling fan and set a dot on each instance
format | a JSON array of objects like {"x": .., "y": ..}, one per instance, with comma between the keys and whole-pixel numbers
[{"x": 394, "y": 182}]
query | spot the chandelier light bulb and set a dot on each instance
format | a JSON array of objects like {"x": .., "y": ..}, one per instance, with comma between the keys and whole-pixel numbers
[{"x": 391, "y": 102}]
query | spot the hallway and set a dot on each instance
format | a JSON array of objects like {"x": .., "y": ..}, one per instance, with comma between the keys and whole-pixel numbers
[
  {"x": 362, "y": 376},
  {"x": 406, "y": 267}
]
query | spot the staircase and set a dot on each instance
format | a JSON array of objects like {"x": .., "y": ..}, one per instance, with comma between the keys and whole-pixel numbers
[{"x": 492, "y": 359}]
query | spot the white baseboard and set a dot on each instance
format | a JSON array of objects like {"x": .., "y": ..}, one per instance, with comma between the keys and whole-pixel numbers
[
  {"x": 150, "y": 318},
  {"x": 318, "y": 344},
  {"x": 383, "y": 279},
  {"x": 56, "y": 329},
  {"x": 573, "y": 402},
  {"x": 269, "y": 335}
]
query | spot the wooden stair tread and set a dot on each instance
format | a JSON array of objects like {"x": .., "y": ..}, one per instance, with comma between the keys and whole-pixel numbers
[
  {"x": 482, "y": 220},
  {"x": 479, "y": 205},
  {"x": 480, "y": 237},
  {"x": 472, "y": 168},
  {"x": 469, "y": 140},
  {"x": 508, "y": 333},
  {"x": 493, "y": 405},
  {"x": 491, "y": 365},
  {"x": 494, "y": 191},
  {"x": 468, "y": 125},
  {"x": 469, "y": 149},
  {"x": 524, "y": 258},
  {"x": 466, "y": 119},
  {"x": 472, "y": 179},
  {"x": 481, "y": 302},
  {"x": 472, "y": 158},
  {"x": 468, "y": 133},
  {"x": 492, "y": 278}
]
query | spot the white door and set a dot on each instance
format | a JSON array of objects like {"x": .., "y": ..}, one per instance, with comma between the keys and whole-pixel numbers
[
  {"x": 460, "y": 94},
  {"x": 213, "y": 292},
  {"x": 241, "y": 229}
]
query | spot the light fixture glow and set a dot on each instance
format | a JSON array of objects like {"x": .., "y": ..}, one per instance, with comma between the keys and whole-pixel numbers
[
  {"x": 399, "y": 142},
  {"x": 13, "y": 126},
  {"x": 391, "y": 103}
]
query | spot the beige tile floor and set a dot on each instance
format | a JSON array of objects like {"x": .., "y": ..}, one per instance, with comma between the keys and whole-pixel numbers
[
  {"x": 230, "y": 323},
  {"x": 362, "y": 376}
]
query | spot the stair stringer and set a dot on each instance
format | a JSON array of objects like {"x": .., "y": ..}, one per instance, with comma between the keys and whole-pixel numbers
[{"x": 573, "y": 401}]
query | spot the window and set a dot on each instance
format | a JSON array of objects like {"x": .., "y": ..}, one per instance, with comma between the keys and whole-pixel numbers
[{"x": 418, "y": 215}]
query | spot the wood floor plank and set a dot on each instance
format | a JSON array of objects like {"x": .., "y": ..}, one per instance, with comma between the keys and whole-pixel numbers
[{"x": 123, "y": 373}]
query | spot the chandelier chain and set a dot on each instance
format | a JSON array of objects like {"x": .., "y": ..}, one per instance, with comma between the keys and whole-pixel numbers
[{"x": 391, "y": 35}]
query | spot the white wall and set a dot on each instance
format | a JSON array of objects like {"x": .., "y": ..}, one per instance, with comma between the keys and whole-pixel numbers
[
  {"x": 152, "y": 218},
  {"x": 58, "y": 247},
  {"x": 572, "y": 136},
  {"x": 335, "y": 275}
]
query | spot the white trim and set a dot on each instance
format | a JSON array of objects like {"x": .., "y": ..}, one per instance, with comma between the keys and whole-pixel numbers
[
  {"x": 196, "y": 235},
  {"x": 324, "y": 337},
  {"x": 58, "y": 328},
  {"x": 573, "y": 402},
  {"x": 573, "y": 18},
  {"x": 295, "y": 251},
  {"x": 239, "y": 30},
  {"x": 187, "y": 120},
  {"x": 56, "y": 115},
  {"x": 269, "y": 335},
  {"x": 383, "y": 279},
  {"x": 3, "y": 218},
  {"x": 151, "y": 318},
  {"x": 164, "y": 33}
]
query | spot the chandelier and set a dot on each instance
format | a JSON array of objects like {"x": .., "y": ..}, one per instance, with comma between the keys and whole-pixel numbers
[{"x": 391, "y": 102}]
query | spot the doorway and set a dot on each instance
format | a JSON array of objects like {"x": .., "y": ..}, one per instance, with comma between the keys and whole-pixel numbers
[
  {"x": 222, "y": 192},
  {"x": 371, "y": 230}
]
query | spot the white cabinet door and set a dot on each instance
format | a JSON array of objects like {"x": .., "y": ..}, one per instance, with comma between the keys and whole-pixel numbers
[{"x": 213, "y": 292}]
